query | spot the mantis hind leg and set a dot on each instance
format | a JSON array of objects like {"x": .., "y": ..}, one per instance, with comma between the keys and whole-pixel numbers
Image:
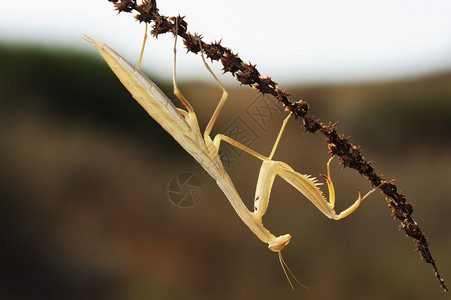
[
  {"x": 224, "y": 95},
  {"x": 142, "y": 48},
  {"x": 177, "y": 92}
]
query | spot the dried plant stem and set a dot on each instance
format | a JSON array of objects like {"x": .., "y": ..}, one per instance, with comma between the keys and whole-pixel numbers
[{"x": 246, "y": 73}]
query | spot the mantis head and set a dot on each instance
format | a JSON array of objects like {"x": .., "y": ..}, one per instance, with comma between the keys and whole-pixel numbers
[{"x": 279, "y": 243}]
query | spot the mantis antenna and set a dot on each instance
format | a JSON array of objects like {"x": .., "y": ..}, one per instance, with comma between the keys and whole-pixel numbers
[{"x": 182, "y": 125}]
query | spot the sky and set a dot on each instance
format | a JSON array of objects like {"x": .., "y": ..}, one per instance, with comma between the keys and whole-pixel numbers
[{"x": 291, "y": 41}]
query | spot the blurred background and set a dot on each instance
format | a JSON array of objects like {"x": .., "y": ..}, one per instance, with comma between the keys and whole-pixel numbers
[{"x": 86, "y": 190}]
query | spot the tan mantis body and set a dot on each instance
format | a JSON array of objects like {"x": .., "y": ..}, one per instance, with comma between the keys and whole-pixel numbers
[{"x": 182, "y": 125}]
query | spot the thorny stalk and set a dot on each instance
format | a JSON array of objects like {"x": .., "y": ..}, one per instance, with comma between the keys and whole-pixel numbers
[{"x": 246, "y": 73}]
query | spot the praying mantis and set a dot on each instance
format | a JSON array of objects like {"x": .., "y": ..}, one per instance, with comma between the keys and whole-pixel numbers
[{"x": 183, "y": 126}]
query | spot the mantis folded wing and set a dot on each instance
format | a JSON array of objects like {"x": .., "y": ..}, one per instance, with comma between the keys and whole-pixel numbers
[{"x": 182, "y": 125}]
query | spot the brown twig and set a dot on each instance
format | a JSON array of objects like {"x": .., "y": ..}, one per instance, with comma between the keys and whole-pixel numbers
[{"x": 246, "y": 73}]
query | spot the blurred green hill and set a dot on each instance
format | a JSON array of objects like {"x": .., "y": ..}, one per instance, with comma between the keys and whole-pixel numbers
[{"x": 84, "y": 173}]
